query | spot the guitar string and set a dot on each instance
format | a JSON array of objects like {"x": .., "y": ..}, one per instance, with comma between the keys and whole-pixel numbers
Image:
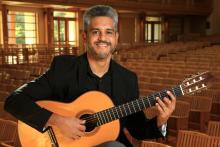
[
  {"x": 115, "y": 111},
  {"x": 135, "y": 104},
  {"x": 91, "y": 119}
]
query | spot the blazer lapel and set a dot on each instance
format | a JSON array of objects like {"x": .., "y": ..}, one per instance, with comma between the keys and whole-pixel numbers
[
  {"x": 82, "y": 66},
  {"x": 118, "y": 91}
]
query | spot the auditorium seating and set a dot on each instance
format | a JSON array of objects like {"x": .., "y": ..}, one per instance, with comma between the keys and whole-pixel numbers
[
  {"x": 214, "y": 141},
  {"x": 215, "y": 107},
  {"x": 196, "y": 139},
  {"x": 33, "y": 53},
  {"x": 153, "y": 144},
  {"x": 200, "y": 108},
  {"x": 179, "y": 118},
  {"x": 8, "y": 131},
  {"x": 158, "y": 67},
  {"x": 192, "y": 139},
  {"x": 214, "y": 128}
]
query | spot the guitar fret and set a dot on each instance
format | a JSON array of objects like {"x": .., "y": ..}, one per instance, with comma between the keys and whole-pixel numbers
[
  {"x": 103, "y": 115},
  {"x": 108, "y": 112},
  {"x": 125, "y": 109},
  {"x": 138, "y": 104},
  {"x": 173, "y": 91},
  {"x": 157, "y": 95},
  {"x": 160, "y": 95},
  {"x": 143, "y": 102},
  {"x": 143, "y": 105},
  {"x": 129, "y": 108},
  {"x": 116, "y": 114},
  {"x": 180, "y": 91},
  {"x": 98, "y": 122},
  {"x": 176, "y": 91},
  {"x": 113, "y": 113},
  {"x": 163, "y": 94},
  {"x": 100, "y": 118},
  {"x": 106, "y": 116},
  {"x": 133, "y": 106},
  {"x": 149, "y": 102},
  {"x": 121, "y": 111},
  {"x": 152, "y": 99},
  {"x": 103, "y": 118}
]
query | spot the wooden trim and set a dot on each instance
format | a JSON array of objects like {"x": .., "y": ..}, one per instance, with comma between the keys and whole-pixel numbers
[{"x": 165, "y": 7}]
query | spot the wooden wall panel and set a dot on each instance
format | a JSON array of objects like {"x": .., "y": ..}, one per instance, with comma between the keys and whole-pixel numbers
[{"x": 126, "y": 28}]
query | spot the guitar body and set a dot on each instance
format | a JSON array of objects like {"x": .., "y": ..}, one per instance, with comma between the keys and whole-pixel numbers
[{"x": 88, "y": 103}]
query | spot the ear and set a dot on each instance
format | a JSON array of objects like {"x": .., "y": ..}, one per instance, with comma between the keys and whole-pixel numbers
[
  {"x": 117, "y": 36},
  {"x": 84, "y": 36}
]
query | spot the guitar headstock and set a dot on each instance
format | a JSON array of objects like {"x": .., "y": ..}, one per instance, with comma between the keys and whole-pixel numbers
[{"x": 197, "y": 83}]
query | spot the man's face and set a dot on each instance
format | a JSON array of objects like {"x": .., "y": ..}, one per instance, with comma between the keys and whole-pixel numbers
[{"x": 101, "y": 37}]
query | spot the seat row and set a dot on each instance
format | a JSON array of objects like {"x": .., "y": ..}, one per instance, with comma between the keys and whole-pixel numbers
[{"x": 185, "y": 138}]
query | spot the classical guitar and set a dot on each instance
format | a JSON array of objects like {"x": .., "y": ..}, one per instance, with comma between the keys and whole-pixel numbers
[{"x": 102, "y": 117}]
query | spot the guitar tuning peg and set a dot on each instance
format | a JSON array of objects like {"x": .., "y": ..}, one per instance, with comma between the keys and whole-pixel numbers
[
  {"x": 199, "y": 73},
  {"x": 186, "y": 79},
  {"x": 190, "y": 76}
]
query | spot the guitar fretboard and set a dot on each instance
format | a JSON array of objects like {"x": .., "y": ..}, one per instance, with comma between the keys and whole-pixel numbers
[{"x": 132, "y": 107}]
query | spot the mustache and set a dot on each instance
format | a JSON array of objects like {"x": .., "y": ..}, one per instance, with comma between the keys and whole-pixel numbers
[{"x": 108, "y": 43}]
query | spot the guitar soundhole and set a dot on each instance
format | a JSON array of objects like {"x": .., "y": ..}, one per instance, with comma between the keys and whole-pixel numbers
[{"x": 90, "y": 122}]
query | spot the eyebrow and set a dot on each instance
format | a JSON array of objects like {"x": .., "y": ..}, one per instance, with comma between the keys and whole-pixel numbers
[{"x": 108, "y": 29}]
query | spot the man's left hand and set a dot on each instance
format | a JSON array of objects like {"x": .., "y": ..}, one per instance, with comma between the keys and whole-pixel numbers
[{"x": 165, "y": 108}]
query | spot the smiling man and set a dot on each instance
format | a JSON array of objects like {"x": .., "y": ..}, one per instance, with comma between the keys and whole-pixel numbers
[{"x": 70, "y": 76}]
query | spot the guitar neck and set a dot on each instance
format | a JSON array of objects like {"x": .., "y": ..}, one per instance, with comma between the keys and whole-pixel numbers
[{"x": 134, "y": 106}]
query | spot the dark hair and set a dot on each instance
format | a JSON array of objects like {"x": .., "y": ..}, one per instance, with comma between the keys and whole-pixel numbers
[{"x": 100, "y": 10}]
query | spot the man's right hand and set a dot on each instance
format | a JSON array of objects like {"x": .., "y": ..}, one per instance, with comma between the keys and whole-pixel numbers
[{"x": 71, "y": 127}]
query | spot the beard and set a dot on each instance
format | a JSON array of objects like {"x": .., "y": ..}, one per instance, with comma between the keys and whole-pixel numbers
[{"x": 100, "y": 55}]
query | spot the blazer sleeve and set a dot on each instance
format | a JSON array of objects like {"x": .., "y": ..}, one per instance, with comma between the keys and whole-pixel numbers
[
  {"x": 137, "y": 124},
  {"x": 21, "y": 103}
]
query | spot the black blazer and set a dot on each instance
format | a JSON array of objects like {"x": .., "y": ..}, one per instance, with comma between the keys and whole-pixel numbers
[{"x": 64, "y": 82}]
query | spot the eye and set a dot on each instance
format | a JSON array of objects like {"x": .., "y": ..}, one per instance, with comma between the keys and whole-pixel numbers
[
  {"x": 95, "y": 32},
  {"x": 110, "y": 32}
]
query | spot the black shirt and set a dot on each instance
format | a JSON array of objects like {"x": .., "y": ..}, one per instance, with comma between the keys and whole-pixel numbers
[{"x": 102, "y": 84}]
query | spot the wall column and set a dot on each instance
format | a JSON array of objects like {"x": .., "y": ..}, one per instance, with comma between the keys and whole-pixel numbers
[{"x": 5, "y": 26}]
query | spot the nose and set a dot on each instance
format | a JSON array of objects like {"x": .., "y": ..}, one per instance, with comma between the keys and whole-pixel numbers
[{"x": 102, "y": 36}]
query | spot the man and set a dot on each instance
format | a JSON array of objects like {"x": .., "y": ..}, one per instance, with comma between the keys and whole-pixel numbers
[{"x": 69, "y": 77}]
